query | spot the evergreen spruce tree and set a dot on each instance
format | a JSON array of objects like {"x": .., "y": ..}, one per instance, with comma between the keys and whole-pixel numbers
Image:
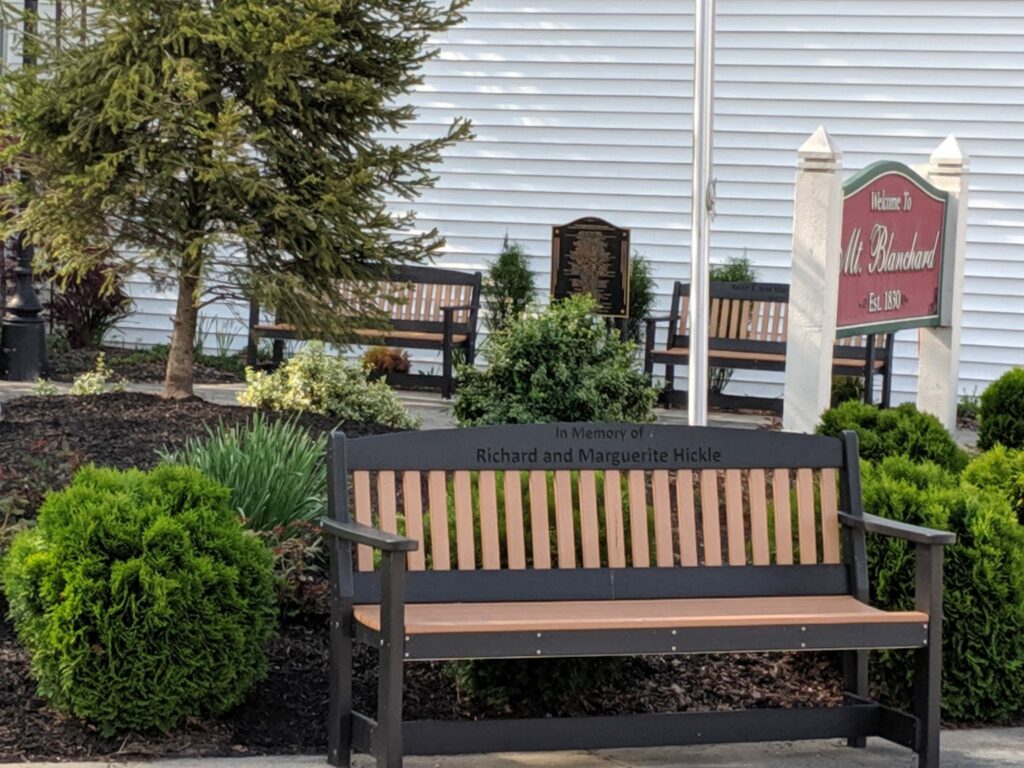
[{"x": 211, "y": 143}]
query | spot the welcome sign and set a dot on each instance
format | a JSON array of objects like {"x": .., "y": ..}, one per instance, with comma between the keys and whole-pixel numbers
[{"x": 894, "y": 242}]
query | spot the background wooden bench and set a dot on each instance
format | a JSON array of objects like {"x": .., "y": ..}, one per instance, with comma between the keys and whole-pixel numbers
[
  {"x": 603, "y": 540},
  {"x": 429, "y": 308},
  {"x": 748, "y": 331}
]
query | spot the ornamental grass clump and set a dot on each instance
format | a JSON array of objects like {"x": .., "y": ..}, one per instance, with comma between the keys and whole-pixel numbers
[
  {"x": 141, "y": 599},
  {"x": 563, "y": 364},
  {"x": 313, "y": 381},
  {"x": 275, "y": 470},
  {"x": 1001, "y": 413}
]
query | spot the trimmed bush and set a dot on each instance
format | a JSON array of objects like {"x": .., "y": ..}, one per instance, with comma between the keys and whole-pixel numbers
[
  {"x": 1000, "y": 470},
  {"x": 316, "y": 382},
  {"x": 141, "y": 599},
  {"x": 509, "y": 287},
  {"x": 983, "y": 578},
  {"x": 901, "y": 431},
  {"x": 564, "y": 364},
  {"x": 1001, "y": 414},
  {"x": 642, "y": 296},
  {"x": 275, "y": 470}
]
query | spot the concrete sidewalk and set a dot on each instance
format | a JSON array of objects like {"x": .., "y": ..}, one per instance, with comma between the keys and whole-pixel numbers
[{"x": 986, "y": 748}]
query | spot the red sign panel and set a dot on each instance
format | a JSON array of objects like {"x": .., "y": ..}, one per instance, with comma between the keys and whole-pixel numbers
[{"x": 894, "y": 231}]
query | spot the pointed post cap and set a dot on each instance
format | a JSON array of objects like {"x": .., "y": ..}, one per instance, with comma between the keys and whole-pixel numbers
[
  {"x": 948, "y": 156},
  {"x": 820, "y": 153}
]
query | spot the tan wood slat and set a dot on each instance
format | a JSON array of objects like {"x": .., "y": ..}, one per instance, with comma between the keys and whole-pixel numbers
[
  {"x": 746, "y": 320},
  {"x": 756, "y": 320},
  {"x": 440, "y": 549},
  {"x": 734, "y": 320},
  {"x": 540, "y": 526},
  {"x": 723, "y": 318},
  {"x": 614, "y": 527},
  {"x": 640, "y": 547},
  {"x": 515, "y": 536},
  {"x": 412, "y": 504},
  {"x": 829, "y": 517},
  {"x": 590, "y": 533},
  {"x": 565, "y": 524},
  {"x": 734, "y": 522},
  {"x": 416, "y": 304},
  {"x": 783, "y": 517},
  {"x": 429, "y": 301},
  {"x": 770, "y": 320},
  {"x": 711, "y": 521},
  {"x": 783, "y": 321},
  {"x": 805, "y": 516},
  {"x": 387, "y": 505},
  {"x": 683, "y": 327},
  {"x": 716, "y": 305},
  {"x": 662, "y": 519},
  {"x": 756, "y": 485},
  {"x": 490, "y": 544},
  {"x": 687, "y": 518},
  {"x": 363, "y": 515},
  {"x": 464, "y": 535}
]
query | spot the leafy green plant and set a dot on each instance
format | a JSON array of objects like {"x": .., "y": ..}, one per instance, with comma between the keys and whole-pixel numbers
[
  {"x": 316, "y": 382},
  {"x": 900, "y": 431},
  {"x": 846, "y": 388},
  {"x": 509, "y": 287},
  {"x": 968, "y": 407},
  {"x": 44, "y": 388},
  {"x": 87, "y": 306},
  {"x": 380, "y": 361},
  {"x": 642, "y": 288},
  {"x": 274, "y": 468},
  {"x": 1001, "y": 470},
  {"x": 1001, "y": 412},
  {"x": 300, "y": 568},
  {"x": 96, "y": 381},
  {"x": 736, "y": 269},
  {"x": 983, "y": 585},
  {"x": 141, "y": 599},
  {"x": 563, "y": 364}
]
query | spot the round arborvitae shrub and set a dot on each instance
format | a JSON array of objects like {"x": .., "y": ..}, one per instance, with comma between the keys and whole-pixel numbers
[
  {"x": 141, "y": 598},
  {"x": 983, "y": 586},
  {"x": 1001, "y": 415},
  {"x": 564, "y": 364},
  {"x": 1000, "y": 470},
  {"x": 509, "y": 287},
  {"x": 901, "y": 431}
]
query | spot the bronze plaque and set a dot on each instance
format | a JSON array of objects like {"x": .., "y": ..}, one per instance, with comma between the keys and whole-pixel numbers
[{"x": 591, "y": 256}]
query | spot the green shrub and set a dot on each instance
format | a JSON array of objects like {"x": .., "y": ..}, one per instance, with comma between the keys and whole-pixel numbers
[
  {"x": 983, "y": 578},
  {"x": 1001, "y": 414},
  {"x": 642, "y": 287},
  {"x": 901, "y": 431},
  {"x": 300, "y": 568},
  {"x": 275, "y": 469},
  {"x": 95, "y": 382},
  {"x": 561, "y": 365},
  {"x": 316, "y": 382},
  {"x": 846, "y": 388},
  {"x": 509, "y": 287},
  {"x": 1000, "y": 470},
  {"x": 141, "y": 599}
]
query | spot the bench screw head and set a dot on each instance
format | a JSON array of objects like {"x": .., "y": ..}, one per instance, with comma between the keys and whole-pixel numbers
[
  {"x": 673, "y": 648},
  {"x": 674, "y": 633},
  {"x": 803, "y": 645},
  {"x": 538, "y": 651},
  {"x": 539, "y": 634}
]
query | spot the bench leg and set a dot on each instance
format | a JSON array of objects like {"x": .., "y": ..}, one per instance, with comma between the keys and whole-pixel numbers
[
  {"x": 855, "y": 676},
  {"x": 446, "y": 371},
  {"x": 339, "y": 721},
  {"x": 388, "y": 738},
  {"x": 928, "y": 660}
]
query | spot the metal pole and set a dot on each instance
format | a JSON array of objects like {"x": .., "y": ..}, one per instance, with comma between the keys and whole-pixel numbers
[{"x": 703, "y": 208}]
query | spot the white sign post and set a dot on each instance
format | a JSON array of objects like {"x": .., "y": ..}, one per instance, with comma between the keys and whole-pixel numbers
[
  {"x": 939, "y": 348},
  {"x": 814, "y": 285}
]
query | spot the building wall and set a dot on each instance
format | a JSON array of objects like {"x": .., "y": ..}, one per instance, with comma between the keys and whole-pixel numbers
[{"x": 583, "y": 107}]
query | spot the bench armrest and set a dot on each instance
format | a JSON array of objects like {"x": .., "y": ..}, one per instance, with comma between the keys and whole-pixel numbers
[
  {"x": 912, "y": 533},
  {"x": 357, "y": 533},
  {"x": 459, "y": 308}
]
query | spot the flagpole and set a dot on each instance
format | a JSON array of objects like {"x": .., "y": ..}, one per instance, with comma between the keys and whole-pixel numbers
[{"x": 703, "y": 208}]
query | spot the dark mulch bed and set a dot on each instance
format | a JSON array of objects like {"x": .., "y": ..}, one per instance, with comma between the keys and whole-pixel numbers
[
  {"x": 129, "y": 365},
  {"x": 287, "y": 713},
  {"x": 42, "y": 441}
]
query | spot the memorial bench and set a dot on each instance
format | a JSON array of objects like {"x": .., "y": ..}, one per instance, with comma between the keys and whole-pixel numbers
[
  {"x": 427, "y": 308},
  {"x": 747, "y": 330},
  {"x": 443, "y": 547}
]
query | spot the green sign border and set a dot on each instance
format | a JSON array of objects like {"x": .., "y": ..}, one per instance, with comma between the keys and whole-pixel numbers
[{"x": 855, "y": 184}]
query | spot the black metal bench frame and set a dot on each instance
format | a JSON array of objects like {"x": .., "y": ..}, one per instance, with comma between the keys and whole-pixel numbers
[
  {"x": 858, "y": 361},
  {"x": 389, "y": 738},
  {"x": 447, "y": 329}
]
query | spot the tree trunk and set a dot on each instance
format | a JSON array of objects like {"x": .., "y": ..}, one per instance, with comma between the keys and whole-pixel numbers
[{"x": 178, "y": 381}]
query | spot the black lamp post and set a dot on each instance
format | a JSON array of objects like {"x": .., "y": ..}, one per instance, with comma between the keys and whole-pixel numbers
[{"x": 23, "y": 339}]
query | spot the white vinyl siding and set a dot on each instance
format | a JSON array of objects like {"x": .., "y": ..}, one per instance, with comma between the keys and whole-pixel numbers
[{"x": 583, "y": 108}]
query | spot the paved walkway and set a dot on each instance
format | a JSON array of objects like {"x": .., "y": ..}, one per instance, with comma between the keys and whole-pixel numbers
[{"x": 987, "y": 748}]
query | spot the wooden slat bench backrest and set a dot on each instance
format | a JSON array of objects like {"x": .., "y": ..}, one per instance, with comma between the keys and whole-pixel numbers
[
  {"x": 559, "y": 497},
  {"x": 416, "y": 296},
  {"x": 745, "y": 312}
]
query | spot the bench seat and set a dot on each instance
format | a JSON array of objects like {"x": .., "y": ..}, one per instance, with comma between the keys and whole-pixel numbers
[{"x": 386, "y": 334}]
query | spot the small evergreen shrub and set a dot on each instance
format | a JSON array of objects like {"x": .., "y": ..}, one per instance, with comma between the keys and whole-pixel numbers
[
  {"x": 563, "y": 364},
  {"x": 846, "y": 388},
  {"x": 983, "y": 580},
  {"x": 901, "y": 431},
  {"x": 1001, "y": 414},
  {"x": 141, "y": 599},
  {"x": 509, "y": 287},
  {"x": 1000, "y": 470},
  {"x": 316, "y": 382},
  {"x": 275, "y": 469},
  {"x": 642, "y": 287}
]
